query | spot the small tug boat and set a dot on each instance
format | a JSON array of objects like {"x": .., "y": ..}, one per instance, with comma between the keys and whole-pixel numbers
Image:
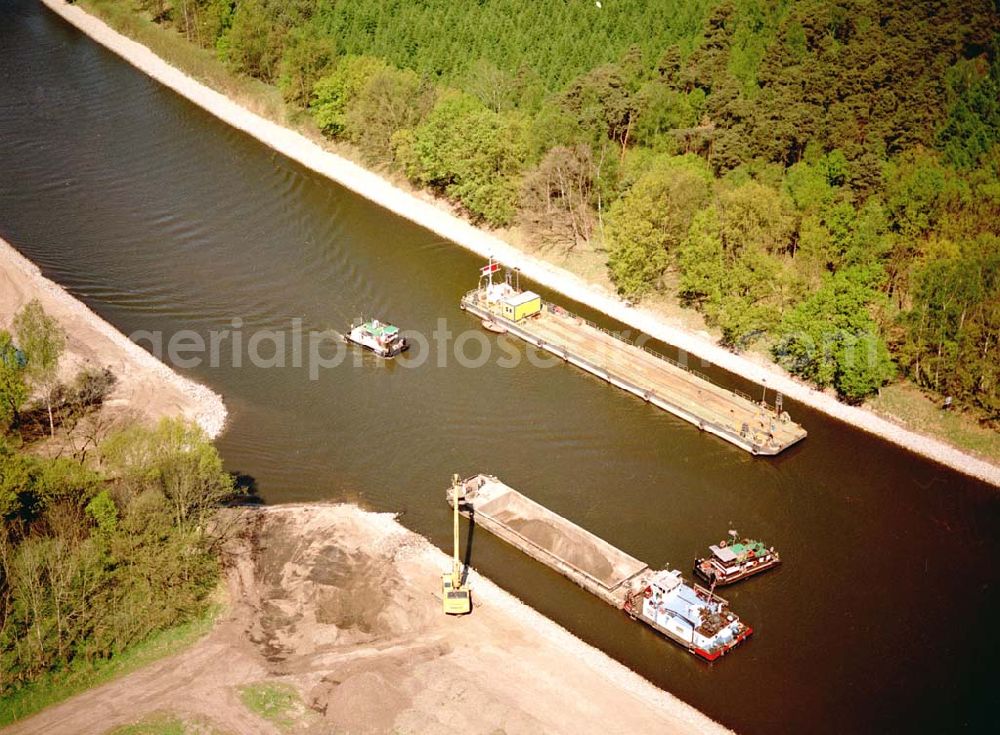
[
  {"x": 383, "y": 339},
  {"x": 735, "y": 559}
]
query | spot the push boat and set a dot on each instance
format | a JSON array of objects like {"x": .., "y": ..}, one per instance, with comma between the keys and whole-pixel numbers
[
  {"x": 736, "y": 559},
  {"x": 383, "y": 339},
  {"x": 690, "y": 615}
]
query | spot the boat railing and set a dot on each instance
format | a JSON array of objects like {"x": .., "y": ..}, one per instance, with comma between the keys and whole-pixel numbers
[
  {"x": 556, "y": 309},
  {"x": 709, "y": 595},
  {"x": 474, "y": 295}
]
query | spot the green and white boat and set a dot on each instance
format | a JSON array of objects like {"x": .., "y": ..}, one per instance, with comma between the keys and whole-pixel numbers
[
  {"x": 385, "y": 340},
  {"x": 736, "y": 559}
]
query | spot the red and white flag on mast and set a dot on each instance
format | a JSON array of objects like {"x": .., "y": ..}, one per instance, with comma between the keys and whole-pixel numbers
[{"x": 488, "y": 269}]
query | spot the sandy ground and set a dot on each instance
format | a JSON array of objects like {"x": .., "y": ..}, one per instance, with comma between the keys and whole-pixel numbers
[
  {"x": 345, "y": 606},
  {"x": 146, "y": 387},
  {"x": 435, "y": 217}
]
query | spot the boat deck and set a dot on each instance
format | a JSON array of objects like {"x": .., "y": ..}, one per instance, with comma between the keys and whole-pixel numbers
[{"x": 674, "y": 388}]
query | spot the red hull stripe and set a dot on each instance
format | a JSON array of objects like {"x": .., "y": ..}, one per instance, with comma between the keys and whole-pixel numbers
[{"x": 724, "y": 650}]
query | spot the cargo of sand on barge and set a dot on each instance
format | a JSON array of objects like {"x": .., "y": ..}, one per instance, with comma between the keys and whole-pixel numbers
[
  {"x": 755, "y": 426},
  {"x": 690, "y": 616}
]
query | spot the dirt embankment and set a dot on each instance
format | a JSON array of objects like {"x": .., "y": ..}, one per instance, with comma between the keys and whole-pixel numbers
[
  {"x": 345, "y": 606},
  {"x": 145, "y": 387},
  {"x": 436, "y": 217}
]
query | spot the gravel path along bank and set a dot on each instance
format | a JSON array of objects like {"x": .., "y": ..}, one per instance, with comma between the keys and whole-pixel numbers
[{"x": 447, "y": 225}]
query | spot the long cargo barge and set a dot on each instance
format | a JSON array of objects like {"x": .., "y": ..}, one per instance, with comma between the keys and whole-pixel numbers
[
  {"x": 754, "y": 426},
  {"x": 690, "y": 616}
]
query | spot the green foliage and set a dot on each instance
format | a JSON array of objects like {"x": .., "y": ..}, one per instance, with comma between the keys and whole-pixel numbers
[
  {"x": 43, "y": 341},
  {"x": 914, "y": 192},
  {"x": 80, "y": 675},
  {"x": 335, "y": 93},
  {"x": 603, "y": 103},
  {"x": 157, "y": 725},
  {"x": 252, "y": 43},
  {"x": 389, "y": 101},
  {"x": 307, "y": 54},
  {"x": 276, "y": 702},
  {"x": 558, "y": 41},
  {"x": 648, "y": 222},
  {"x": 470, "y": 153},
  {"x": 754, "y": 217},
  {"x": 854, "y": 136},
  {"x": 13, "y": 387},
  {"x": 90, "y": 566},
  {"x": 662, "y": 110},
  {"x": 973, "y": 123},
  {"x": 953, "y": 331},
  {"x": 175, "y": 461},
  {"x": 103, "y": 511},
  {"x": 831, "y": 339},
  {"x": 732, "y": 279},
  {"x": 29, "y": 485}
]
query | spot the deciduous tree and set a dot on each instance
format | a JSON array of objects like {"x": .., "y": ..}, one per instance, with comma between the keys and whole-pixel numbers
[{"x": 43, "y": 341}]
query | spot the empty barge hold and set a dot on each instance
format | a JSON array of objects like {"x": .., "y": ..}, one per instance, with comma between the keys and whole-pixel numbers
[
  {"x": 692, "y": 617},
  {"x": 754, "y": 426}
]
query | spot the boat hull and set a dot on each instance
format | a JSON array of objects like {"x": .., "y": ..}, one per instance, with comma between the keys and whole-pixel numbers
[
  {"x": 384, "y": 352},
  {"x": 724, "y": 579}
]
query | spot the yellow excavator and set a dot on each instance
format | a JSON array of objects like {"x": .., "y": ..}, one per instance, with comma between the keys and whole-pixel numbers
[{"x": 456, "y": 599}]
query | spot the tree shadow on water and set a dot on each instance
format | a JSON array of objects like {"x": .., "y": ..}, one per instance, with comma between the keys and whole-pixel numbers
[{"x": 244, "y": 490}]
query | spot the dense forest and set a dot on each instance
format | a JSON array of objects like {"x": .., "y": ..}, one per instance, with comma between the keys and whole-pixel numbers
[
  {"x": 106, "y": 531},
  {"x": 821, "y": 178}
]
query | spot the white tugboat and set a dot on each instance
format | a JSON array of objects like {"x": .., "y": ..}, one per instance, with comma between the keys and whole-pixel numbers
[
  {"x": 693, "y": 616},
  {"x": 383, "y": 339}
]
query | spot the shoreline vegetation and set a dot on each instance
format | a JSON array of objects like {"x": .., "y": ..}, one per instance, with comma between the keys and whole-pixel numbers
[
  {"x": 61, "y": 686},
  {"x": 351, "y": 599},
  {"x": 302, "y": 142},
  {"x": 106, "y": 474}
]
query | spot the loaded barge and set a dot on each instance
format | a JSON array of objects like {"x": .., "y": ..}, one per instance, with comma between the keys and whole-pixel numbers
[
  {"x": 691, "y": 616},
  {"x": 755, "y": 426}
]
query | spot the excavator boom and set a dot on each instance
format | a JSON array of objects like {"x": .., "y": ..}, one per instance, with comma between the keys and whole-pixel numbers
[{"x": 455, "y": 598}]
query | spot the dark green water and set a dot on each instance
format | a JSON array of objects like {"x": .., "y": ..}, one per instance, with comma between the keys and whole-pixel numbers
[{"x": 161, "y": 218}]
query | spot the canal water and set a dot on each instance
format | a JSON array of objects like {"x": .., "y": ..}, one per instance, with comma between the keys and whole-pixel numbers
[{"x": 883, "y": 618}]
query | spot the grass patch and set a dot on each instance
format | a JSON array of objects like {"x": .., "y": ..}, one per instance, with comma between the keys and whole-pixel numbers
[
  {"x": 162, "y": 723},
  {"x": 909, "y": 406},
  {"x": 155, "y": 725},
  {"x": 275, "y": 701},
  {"x": 61, "y": 685}
]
